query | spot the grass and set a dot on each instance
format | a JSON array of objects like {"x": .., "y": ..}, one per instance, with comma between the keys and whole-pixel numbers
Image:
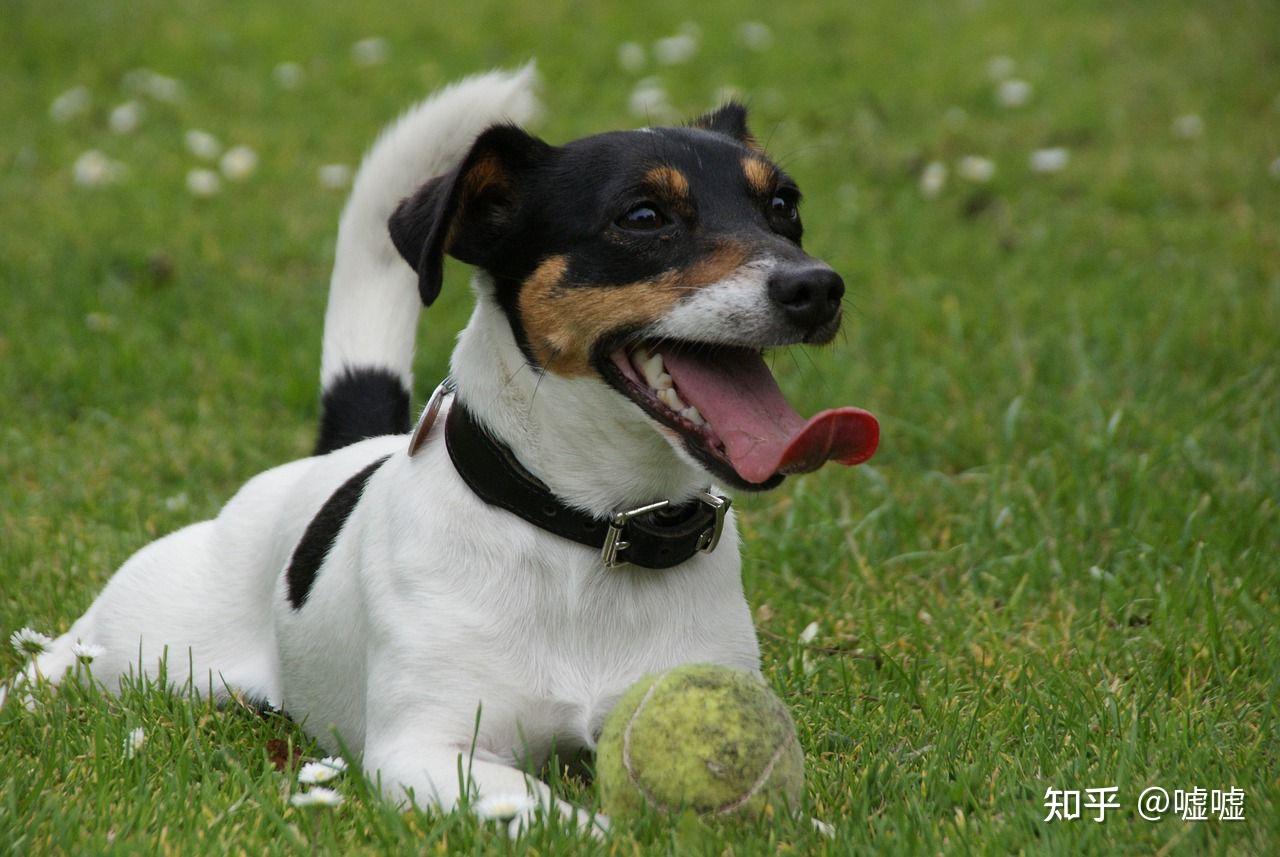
[{"x": 1060, "y": 570}]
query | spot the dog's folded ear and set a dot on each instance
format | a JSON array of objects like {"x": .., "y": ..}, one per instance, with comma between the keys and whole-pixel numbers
[
  {"x": 467, "y": 211},
  {"x": 729, "y": 119}
]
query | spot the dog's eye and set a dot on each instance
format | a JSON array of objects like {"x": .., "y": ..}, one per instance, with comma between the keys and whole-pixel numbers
[
  {"x": 642, "y": 218},
  {"x": 783, "y": 206}
]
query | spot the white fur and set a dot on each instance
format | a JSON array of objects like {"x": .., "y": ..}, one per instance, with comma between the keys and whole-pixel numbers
[
  {"x": 733, "y": 311},
  {"x": 432, "y": 605},
  {"x": 378, "y": 330}
]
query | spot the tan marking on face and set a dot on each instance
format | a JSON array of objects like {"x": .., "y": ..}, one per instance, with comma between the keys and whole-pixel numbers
[
  {"x": 485, "y": 173},
  {"x": 760, "y": 174},
  {"x": 671, "y": 186},
  {"x": 669, "y": 181},
  {"x": 565, "y": 322}
]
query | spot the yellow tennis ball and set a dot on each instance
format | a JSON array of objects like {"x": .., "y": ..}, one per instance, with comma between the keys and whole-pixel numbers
[{"x": 701, "y": 737}]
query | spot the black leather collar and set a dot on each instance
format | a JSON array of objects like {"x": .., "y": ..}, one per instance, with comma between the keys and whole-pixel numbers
[{"x": 647, "y": 537}]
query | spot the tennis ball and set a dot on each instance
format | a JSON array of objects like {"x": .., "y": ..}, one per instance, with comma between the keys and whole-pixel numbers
[{"x": 701, "y": 737}]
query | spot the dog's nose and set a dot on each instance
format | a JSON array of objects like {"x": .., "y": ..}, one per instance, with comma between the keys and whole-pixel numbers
[{"x": 808, "y": 296}]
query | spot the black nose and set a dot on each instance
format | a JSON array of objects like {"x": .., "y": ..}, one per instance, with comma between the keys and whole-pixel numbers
[{"x": 809, "y": 296}]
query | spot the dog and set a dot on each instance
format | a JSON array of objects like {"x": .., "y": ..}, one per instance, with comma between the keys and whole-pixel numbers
[{"x": 482, "y": 591}]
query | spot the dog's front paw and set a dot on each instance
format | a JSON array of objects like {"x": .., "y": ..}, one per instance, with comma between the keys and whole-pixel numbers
[{"x": 521, "y": 811}]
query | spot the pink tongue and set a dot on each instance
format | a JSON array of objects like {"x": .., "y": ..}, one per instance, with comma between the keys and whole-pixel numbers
[{"x": 735, "y": 392}]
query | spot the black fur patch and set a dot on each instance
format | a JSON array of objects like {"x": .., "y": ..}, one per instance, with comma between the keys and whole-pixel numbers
[
  {"x": 362, "y": 403},
  {"x": 322, "y": 532}
]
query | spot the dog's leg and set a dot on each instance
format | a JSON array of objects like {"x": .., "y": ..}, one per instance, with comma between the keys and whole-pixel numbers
[{"x": 439, "y": 774}]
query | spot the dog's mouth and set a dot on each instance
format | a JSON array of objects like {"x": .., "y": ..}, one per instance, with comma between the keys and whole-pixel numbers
[{"x": 727, "y": 408}]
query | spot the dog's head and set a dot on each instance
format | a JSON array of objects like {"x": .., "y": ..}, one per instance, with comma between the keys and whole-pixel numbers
[{"x": 661, "y": 263}]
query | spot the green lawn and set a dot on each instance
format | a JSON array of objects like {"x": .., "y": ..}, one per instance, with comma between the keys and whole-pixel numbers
[{"x": 1060, "y": 570}]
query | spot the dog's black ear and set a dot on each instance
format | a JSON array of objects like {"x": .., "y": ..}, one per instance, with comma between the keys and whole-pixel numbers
[
  {"x": 466, "y": 211},
  {"x": 729, "y": 119}
]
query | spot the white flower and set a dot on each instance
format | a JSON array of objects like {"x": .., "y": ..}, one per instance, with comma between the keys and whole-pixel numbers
[
  {"x": 288, "y": 75},
  {"x": 158, "y": 86},
  {"x": 70, "y": 104},
  {"x": 177, "y": 502},
  {"x": 238, "y": 163},
  {"x": 125, "y": 117},
  {"x": 976, "y": 169},
  {"x": 1000, "y": 68},
  {"x": 631, "y": 56},
  {"x": 30, "y": 641},
  {"x": 809, "y": 633},
  {"x": 202, "y": 144},
  {"x": 755, "y": 36},
  {"x": 933, "y": 179},
  {"x": 94, "y": 169},
  {"x": 322, "y": 771},
  {"x": 134, "y": 742},
  {"x": 202, "y": 182},
  {"x": 86, "y": 652},
  {"x": 334, "y": 176},
  {"x": 318, "y": 796},
  {"x": 1274, "y": 169},
  {"x": 504, "y": 806},
  {"x": 955, "y": 117},
  {"x": 1013, "y": 93},
  {"x": 371, "y": 51},
  {"x": 1096, "y": 573},
  {"x": 649, "y": 100},
  {"x": 677, "y": 49},
  {"x": 1053, "y": 160},
  {"x": 1188, "y": 126}
]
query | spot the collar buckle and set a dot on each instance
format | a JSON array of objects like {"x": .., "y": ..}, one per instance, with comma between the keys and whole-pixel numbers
[
  {"x": 614, "y": 543},
  {"x": 429, "y": 414}
]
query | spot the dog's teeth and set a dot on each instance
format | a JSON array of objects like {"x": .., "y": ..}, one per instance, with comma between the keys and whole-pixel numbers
[
  {"x": 663, "y": 382},
  {"x": 691, "y": 414},
  {"x": 652, "y": 369},
  {"x": 671, "y": 399}
]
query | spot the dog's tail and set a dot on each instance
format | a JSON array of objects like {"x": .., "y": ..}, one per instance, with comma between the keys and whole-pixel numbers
[{"x": 366, "y": 370}]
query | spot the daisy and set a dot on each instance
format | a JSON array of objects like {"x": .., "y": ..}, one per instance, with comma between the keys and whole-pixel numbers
[
  {"x": 288, "y": 75},
  {"x": 326, "y": 769},
  {"x": 30, "y": 641},
  {"x": 933, "y": 179},
  {"x": 134, "y": 742},
  {"x": 86, "y": 652},
  {"x": 202, "y": 144},
  {"x": 680, "y": 48},
  {"x": 371, "y": 51},
  {"x": 163, "y": 88},
  {"x": 1053, "y": 160},
  {"x": 70, "y": 104},
  {"x": 318, "y": 796},
  {"x": 1188, "y": 126},
  {"x": 124, "y": 118},
  {"x": 503, "y": 806},
  {"x": 809, "y": 633},
  {"x": 334, "y": 176},
  {"x": 1013, "y": 93},
  {"x": 649, "y": 100},
  {"x": 238, "y": 163},
  {"x": 94, "y": 169},
  {"x": 203, "y": 182},
  {"x": 976, "y": 169},
  {"x": 631, "y": 56},
  {"x": 755, "y": 36}
]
